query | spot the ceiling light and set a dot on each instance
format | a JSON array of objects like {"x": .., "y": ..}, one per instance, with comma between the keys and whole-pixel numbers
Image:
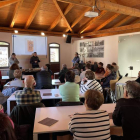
[
  {"x": 42, "y": 33},
  {"x": 16, "y": 31},
  {"x": 64, "y": 35},
  {"x": 91, "y": 14},
  {"x": 82, "y": 37}
]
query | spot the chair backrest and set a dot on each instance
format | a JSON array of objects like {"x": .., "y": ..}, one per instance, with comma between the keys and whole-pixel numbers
[
  {"x": 68, "y": 103},
  {"x": 113, "y": 84}
]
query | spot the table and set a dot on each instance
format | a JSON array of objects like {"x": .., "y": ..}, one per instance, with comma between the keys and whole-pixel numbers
[
  {"x": 5, "y": 77},
  {"x": 62, "y": 114},
  {"x": 56, "y": 83},
  {"x": 119, "y": 90},
  {"x": 53, "y": 96},
  {"x": 57, "y": 73}
]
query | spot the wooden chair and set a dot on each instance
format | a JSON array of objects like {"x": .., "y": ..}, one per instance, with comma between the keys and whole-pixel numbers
[{"x": 113, "y": 84}]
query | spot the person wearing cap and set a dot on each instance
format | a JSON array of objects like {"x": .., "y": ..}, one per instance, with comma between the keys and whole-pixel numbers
[
  {"x": 76, "y": 58},
  {"x": 100, "y": 69},
  {"x": 13, "y": 59}
]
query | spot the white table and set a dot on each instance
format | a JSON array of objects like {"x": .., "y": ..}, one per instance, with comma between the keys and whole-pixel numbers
[
  {"x": 5, "y": 77},
  {"x": 120, "y": 86},
  {"x": 57, "y": 73},
  {"x": 53, "y": 91},
  {"x": 62, "y": 115},
  {"x": 56, "y": 83}
]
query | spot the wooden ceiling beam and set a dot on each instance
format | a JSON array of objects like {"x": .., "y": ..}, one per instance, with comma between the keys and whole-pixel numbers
[
  {"x": 136, "y": 21},
  {"x": 107, "y": 5},
  {"x": 69, "y": 7},
  {"x": 33, "y": 13},
  {"x": 92, "y": 21},
  {"x": 107, "y": 22},
  {"x": 113, "y": 30},
  {"x": 63, "y": 16},
  {"x": 122, "y": 21},
  {"x": 18, "y": 6},
  {"x": 28, "y": 31},
  {"x": 7, "y": 3}
]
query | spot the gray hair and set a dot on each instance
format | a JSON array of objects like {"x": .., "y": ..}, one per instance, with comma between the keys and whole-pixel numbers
[
  {"x": 133, "y": 89},
  {"x": 44, "y": 68}
]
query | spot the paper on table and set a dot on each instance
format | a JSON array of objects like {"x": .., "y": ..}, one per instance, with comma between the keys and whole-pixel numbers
[
  {"x": 48, "y": 121},
  {"x": 47, "y": 94}
]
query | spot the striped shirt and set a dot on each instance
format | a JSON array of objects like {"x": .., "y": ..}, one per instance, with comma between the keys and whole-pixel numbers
[
  {"x": 90, "y": 125},
  {"x": 90, "y": 84}
]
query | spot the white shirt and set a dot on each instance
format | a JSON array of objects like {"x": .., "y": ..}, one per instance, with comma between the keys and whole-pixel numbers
[
  {"x": 17, "y": 83},
  {"x": 82, "y": 75}
]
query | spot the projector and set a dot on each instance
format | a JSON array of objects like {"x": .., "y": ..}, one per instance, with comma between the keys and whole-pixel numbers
[{"x": 91, "y": 14}]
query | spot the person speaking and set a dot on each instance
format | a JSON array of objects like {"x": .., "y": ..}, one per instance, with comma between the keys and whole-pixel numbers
[
  {"x": 34, "y": 60},
  {"x": 76, "y": 58}
]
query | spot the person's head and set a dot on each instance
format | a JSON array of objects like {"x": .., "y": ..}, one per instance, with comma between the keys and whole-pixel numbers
[
  {"x": 110, "y": 69},
  {"x": 17, "y": 73},
  {"x": 89, "y": 75},
  {"x": 6, "y": 128},
  {"x": 88, "y": 66},
  {"x": 114, "y": 64},
  {"x": 100, "y": 65},
  {"x": 108, "y": 66},
  {"x": 93, "y": 99},
  {"x": 76, "y": 54},
  {"x": 70, "y": 76},
  {"x": 64, "y": 66},
  {"x": 13, "y": 55},
  {"x": 48, "y": 66},
  {"x": 29, "y": 82},
  {"x": 14, "y": 66},
  {"x": 132, "y": 89},
  {"x": 44, "y": 68},
  {"x": 76, "y": 65},
  {"x": 35, "y": 54}
]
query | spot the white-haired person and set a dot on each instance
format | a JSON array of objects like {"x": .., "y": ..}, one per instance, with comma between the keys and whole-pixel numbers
[
  {"x": 28, "y": 95},
  {"x": 17, "y": 81}
]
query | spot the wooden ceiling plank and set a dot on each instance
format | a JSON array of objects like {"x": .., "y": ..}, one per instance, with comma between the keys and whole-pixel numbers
[
  {"x": 136, "y": 21},
  {"x": 63, "y": 16},
  {"x": 69, "y": 7},
  {"x": 92, "y": 21},
  {"x": 122, "y": 21},
  {"x": 7, "y": 3},
  {"x": 113, "y": 30},
  {"x": 33, "y": 13},
  {"x": 18, "y": 6},
  {"x": 106, "y": 22}
]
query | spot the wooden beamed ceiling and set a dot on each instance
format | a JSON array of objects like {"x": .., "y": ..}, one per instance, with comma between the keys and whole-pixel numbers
[{"x": 57, "y": 17}]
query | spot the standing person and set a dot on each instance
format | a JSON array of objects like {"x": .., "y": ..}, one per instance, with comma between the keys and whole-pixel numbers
[
  {"x": 34, "y": 60},
  {"x": 13, "y": 59},
  {"x": 76, "y": 58}
]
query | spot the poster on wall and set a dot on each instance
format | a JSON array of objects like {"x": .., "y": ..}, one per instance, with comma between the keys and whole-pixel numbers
[
  {"x": 3, "y": 56},
  {"x": 92, "y": 49},
  {"x": 30, "y": 46}
]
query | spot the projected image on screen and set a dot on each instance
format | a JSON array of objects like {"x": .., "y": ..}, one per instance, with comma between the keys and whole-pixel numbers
[
  {"x": 26, "y": 45},
  {"x": 3, "y": 56}
]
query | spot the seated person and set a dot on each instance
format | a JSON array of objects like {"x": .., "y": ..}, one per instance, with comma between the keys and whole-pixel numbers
[
  {"x": 127, "y": 112},
  {"x": 88, "y": 68},
  {"x": 100, "y": 69},
  {"x": 116, "y": 68},
  {"x": 106, "y": 72},
  {"x": 111, "y": 76},
  {"x": 17, "y": 81},
  {"x": 6, "y": 129},
  {"x": 138, "y": 79},
  {"x": 70, "y": 90},
  {"x": 49, "y": 69},
  {"x": 93, "y": 124},
  {"x": 11, "y": 71},
  {"x": 43, "y": 79},
  {"x": 89, "y": 82},
  {"x": 62, "y": 73},
  {"x": 76, "y": 69},
  {"x": 28, "y": 95}
]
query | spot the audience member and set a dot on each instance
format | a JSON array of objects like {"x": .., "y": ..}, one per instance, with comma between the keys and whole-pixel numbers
[
  {"x": 35, "y": 60},
  {"x": 88, "y": 68},
  {"x": 49, "y": 69},
  {"x": 62, "y": 73},
  {"x": 28, "y": 95},
  {"x": 70, "y": 90},
  {"x": 17, "y": 81},
  {"x": 94, "y": 67},
  {"x": 89, "y": 82},
  {"x": 93, "y": 124},
  {"x": 106, "y": 72},
  {"x": 11, "y": 71},
  {"x": 138, "y": 79},
  {"x": 116, "y": 68},
  {"x": 127, "y": 112},
  {"x": 76, "y": 69},
  {"x": 100, "y": 69},
  {"x": 6, "y": 128},
  {"x": 13, "y": 60},
  {"x": 111, "y": 76},
  {"x": 43, "y": 79}
]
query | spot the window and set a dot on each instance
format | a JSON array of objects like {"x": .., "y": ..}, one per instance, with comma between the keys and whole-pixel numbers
[{"x": 4, "y": 54}]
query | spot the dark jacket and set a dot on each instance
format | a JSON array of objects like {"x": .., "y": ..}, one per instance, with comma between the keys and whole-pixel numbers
[
  {"x": 100, "y": 70},
  {"x": 138, "y": 80},
  {"x": 32, "y": 61},
  {"x": 43, "y": 80},
  {"x": 127, "y": 115},
  {"x": 62, "y": 75},
  {"x": 106, "y": 82}
]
